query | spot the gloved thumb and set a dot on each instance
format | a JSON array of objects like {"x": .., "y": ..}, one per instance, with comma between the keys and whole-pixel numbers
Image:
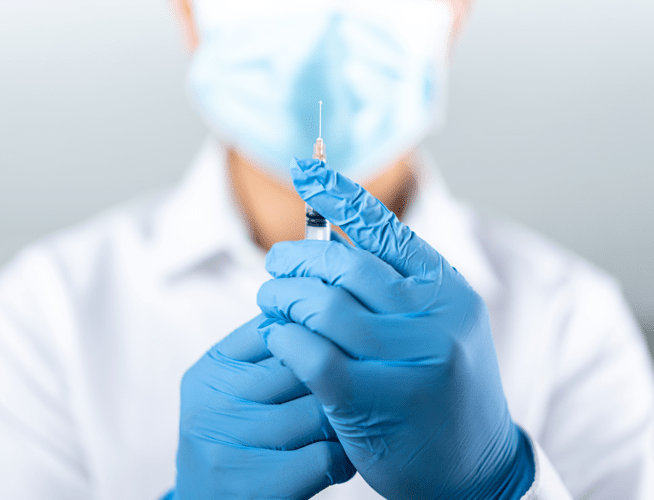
[
  {"x": 365, "y": 219},
  {"x": 315, "y": 360}
]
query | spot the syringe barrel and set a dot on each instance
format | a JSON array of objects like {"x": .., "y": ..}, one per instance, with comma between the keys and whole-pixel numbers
[{"x": 316, "y": 227}]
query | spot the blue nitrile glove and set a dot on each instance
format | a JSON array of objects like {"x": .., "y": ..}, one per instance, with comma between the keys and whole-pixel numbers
[
  {"x": 250, "y": 429},
  {"x": 397, "y": 347}
]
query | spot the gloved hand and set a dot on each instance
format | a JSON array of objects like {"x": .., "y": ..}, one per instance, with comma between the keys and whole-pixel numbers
[
  {"x": 397, "y": 347},
  {"x": 250, "y": 429}
]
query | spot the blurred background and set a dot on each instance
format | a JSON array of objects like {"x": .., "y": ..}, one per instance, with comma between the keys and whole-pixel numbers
[{"x": 551, "y": 120}]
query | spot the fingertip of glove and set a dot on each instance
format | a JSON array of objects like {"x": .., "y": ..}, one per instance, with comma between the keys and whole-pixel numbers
[
  {"x": 288, "y": 259},
  {"x": 303, "y": 170},
  {"x": 343, "y": 469},
  {"x": 309, "y": 176},
  {"x": 273, "y": 255},
  {"x": 263, "y": 295},
  {"x": 267, "y": 327},
  {"x": 305, "y": 164}
]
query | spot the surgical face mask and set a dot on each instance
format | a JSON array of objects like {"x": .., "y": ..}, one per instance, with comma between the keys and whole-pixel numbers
[{"x": 379, "y": 67}]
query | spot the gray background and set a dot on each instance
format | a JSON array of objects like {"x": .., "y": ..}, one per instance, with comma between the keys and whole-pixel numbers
[{"x": 551, "y": 120}]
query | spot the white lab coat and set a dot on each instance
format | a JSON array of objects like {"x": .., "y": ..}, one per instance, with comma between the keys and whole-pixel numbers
[{"x": 98, "y": 324}]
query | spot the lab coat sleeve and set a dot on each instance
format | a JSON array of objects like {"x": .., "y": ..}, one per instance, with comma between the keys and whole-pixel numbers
[
  {"x": 547, "y": 484},
  {"x": 598, "y": 433},
  {"x": 40, "y": 455}
]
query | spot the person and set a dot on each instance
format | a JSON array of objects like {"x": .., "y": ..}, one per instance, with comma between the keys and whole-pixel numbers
[{"x": 462, "y": 358}]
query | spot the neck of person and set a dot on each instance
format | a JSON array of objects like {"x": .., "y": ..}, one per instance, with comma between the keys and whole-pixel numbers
[{"x": 274, "y": 212}]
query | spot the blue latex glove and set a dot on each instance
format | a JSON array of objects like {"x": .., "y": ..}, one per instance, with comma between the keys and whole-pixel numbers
[
  {"x": 250, "y": 429},
  {"x": 398, "y": 349}
]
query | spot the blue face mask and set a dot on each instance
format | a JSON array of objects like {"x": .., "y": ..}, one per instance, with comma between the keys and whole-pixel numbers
[{"x": 379, "y": 68}]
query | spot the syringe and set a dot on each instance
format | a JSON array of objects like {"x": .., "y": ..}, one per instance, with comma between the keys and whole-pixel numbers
[{"x": 316, "y": 227}]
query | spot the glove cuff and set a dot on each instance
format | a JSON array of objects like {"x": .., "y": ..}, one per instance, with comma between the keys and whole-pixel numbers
[{"x": 520, "y": 473}]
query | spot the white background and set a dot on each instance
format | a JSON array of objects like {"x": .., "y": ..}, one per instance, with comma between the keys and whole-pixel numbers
[{"x": 551, "y": 120}]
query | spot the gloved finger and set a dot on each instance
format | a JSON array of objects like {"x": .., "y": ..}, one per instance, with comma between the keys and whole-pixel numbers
[
  {"x": 334, "y": 236},
  {"x": 264, "y": 382},
  {"x": 286, "y": 426},
  {"x": 372, "y": 281},
  {"x": 336, "y": 315},
  {"x": 315, "y": 360},
  {"x": 263, "y": 473},
  {"x": 244, "y": 343},
  {"x": 314, "y": 468},
  {"x": 366, "y": 221}
]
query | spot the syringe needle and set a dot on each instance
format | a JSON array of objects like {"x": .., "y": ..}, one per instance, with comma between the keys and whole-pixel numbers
[
  {"x": 316, "y": 226},
  {"x": 319, "y": 146}
]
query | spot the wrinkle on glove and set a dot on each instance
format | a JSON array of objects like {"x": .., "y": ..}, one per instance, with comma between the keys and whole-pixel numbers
[
  {"x": 364, "y": 219},
  {"x": 397, "y": 347},
  {"x": 250, "y": 429}
]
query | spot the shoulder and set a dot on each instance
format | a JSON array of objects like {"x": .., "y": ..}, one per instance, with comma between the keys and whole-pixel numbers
[
  {"x": 532, "y": 263},
  {"x": 72, "y": 260},
  {"x": 577, "y": 309}
]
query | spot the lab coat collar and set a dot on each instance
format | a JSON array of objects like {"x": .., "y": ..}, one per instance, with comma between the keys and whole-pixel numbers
[
  {"x": 453, "y": 228},
  {"x": 199, "y": 221}
]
